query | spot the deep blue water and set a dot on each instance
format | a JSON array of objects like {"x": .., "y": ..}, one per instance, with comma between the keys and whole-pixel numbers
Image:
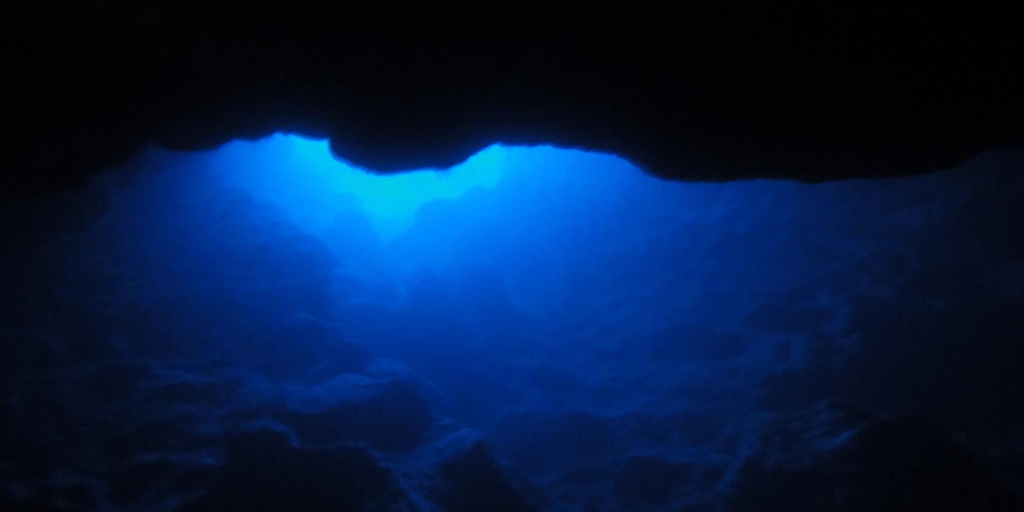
[{"x": 604, "y": 340}]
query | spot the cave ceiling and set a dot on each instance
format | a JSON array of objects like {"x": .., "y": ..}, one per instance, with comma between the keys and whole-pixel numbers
[{"x": 703, "y": 92}]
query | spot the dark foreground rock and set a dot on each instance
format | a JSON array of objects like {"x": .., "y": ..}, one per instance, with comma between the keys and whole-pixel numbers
[
  {"x": 474, "y": 481},
  {"x": 146, "y": 434},
  {"x": 832, "y": 458},
  {"x": 387, "y": 415},
  {"x": 268, "y": 470},
  {"x": 266, "y": 473}
]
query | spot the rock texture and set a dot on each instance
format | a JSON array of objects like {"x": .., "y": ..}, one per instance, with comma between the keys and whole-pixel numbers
[
  {"x": 833, "y": 458},
  {"x": 188, "y": 347},
  {"x": 180, "y": 367},
  {"x": 706, "y": 91}
]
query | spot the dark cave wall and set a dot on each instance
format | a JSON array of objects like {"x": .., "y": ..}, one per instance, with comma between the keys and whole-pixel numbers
[{"x": 706, "y": 91}]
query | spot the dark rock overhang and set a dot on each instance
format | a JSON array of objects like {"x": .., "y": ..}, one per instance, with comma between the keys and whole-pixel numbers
[{"x": 699, "y": 93}]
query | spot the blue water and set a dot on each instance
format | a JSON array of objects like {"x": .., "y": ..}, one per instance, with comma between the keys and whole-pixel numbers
[
  {"x": 304, "y": 179},
  {"x": 590, "y": 322}
]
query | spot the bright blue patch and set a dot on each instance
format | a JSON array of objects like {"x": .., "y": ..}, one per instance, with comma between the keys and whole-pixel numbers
[{"x": 304, "y": 179}]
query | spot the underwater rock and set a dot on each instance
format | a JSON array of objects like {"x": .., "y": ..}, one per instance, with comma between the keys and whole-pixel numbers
[
  {"x": 538, "y": 440},
  {"x": 265, "y": 472},
  {"x": 150, "y": 481},
  {"x": 650, "y": 479},
  {"x": 125, "y": 433},
  {"x": 835, "y": 458},
  {"x": 391, "y": 416},
  {"x": 148, "y": 434},
  {"x": 475, "y": 482},
  {"x": 297, "y": 350}
]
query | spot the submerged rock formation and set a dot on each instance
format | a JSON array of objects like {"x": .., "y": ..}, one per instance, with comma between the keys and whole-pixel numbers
[
  {"x": 834, "y": 458},
  {"x": 186, "y": 346}
]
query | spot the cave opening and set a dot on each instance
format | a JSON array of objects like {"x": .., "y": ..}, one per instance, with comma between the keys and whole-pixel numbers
[{"x": 554, "y": 323}]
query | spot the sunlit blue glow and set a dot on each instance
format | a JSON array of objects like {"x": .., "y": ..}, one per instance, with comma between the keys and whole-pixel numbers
[{"x": 303, "y": 178}]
